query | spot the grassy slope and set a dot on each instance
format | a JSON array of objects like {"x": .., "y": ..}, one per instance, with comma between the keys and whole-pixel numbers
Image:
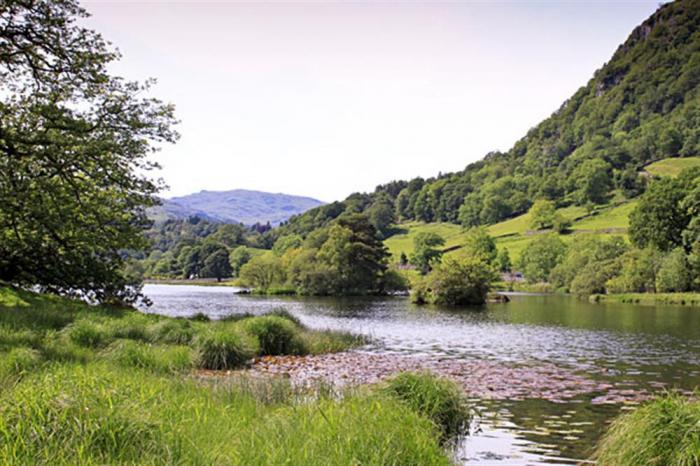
[
  {"x": 100, "y": 385},
  {"x": 515, "y": 233},
  {"x": 672, "y": 166}
]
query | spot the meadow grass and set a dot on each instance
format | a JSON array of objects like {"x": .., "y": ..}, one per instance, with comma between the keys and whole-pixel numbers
[
  {"x": 515, "y": 233},
  {"x": 90, "y": 385},
  {"x": 664, "y": 432},
  {"x": 672, "y": 166}
]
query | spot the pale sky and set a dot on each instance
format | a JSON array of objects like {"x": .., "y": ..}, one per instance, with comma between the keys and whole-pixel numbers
[{"x": 326, "y": 98}]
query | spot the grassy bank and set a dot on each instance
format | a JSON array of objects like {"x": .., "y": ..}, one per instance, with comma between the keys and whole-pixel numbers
[
  {"x": 105, "y": 385},
  {"x": 664, "y": 432},
  {"x": 649, "y": 299}
]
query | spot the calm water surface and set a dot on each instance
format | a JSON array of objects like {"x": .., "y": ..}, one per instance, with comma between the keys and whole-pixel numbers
[{"x": 636, "y": 348}]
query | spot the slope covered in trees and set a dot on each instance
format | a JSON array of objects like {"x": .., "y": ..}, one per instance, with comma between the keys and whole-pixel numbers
[{"x": 641, "y": 106}]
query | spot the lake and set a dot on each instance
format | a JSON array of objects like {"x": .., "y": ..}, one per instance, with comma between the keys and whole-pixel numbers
[{"x": 549, "y": 372}]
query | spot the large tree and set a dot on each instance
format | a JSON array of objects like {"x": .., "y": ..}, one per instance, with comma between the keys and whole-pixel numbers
[{"x": 74, "y": 147}]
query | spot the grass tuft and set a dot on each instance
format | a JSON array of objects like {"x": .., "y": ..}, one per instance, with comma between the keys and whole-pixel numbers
[
  {"x": 225, "y": 348},
  {"x": 438, "y": 399},
  {"x": 664, "y": 432},
  {"x": 87, "y": 334},
  {"x": 276, "y": 335}
]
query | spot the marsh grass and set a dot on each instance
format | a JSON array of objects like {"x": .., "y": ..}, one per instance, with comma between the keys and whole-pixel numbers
[
  {"x": 438, "y": 399},
  {"x": 276, "y": 335},
  {"x": 97, "y": 385},
  {"x": 663, "y": 432},
  {"x": 225, "y": 349}
]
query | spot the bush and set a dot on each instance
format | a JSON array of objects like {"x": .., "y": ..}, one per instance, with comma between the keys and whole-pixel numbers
[
  {"x": 674, "y": 273},
  {"x": 285, "y": 314},
  {"x": 540, "y": 256},
  {"x": 276, "y": 335},
  {"x": 223, "y": 349},
  {"x": 87, "y": 334},
  {"x": 438, "y": 399},
  {"x": 456, "y": 282},
  {"x": 638, "y": 270},
  {"x": 664, "y": 432}
]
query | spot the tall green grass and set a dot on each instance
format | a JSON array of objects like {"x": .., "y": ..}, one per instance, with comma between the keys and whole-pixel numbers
[
  {"x": 664, "y": 432},
  {"x": 100, "y": 385},
  {"x": 103, "y": 414},
  {"x": 438, "y": 399}
]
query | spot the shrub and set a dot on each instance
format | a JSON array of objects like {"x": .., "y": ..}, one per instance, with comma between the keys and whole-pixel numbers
[
  {"x": 638, "y": 270},
  {"x": 540, "y": 256},
  {"x": 456, "y": 282},
  {"x": 674, "y": 273},
  {"x": 438, "y": 399},
  {"x": 223, "y": 349},
  {"x": 276, "y": 335},
  {"x": 664, "y": 432},
  {"x": 87, "y": 334}
]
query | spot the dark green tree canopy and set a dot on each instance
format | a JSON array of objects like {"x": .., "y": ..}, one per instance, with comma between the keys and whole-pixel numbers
[{"x": 74, "y": 146}]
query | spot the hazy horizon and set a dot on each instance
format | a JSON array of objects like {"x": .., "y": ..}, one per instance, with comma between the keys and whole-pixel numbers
[{"x": 283, "y": 97}]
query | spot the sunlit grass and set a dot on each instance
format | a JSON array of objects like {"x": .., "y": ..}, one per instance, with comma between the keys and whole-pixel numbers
[
  {"x": 114, "y": 386},
  {"x": 664, "y": 432},
  {"x": 672, "y": 166}
]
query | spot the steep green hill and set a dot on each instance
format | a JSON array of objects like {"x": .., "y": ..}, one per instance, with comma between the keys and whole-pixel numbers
[{"x": 641, "y": 106}]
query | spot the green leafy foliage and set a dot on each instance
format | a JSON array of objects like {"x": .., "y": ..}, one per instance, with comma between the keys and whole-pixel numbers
[
  {"x": 59, "y": 103},
  {"x": 456, "y": 282},
  {"x": 426, "y": 250},
  {"x": 540, "y": 256},
  {"x": 276, "y": 335}
]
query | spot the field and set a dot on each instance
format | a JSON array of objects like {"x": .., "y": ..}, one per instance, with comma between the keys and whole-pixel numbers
[
  {"x": 672, "y": 166},
  {"x": 106, "y": 385},
  {"x": 515, "y": 233}
]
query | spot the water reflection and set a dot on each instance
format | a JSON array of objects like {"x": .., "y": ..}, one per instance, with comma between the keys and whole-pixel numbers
[{"x": 633, "y": 349}]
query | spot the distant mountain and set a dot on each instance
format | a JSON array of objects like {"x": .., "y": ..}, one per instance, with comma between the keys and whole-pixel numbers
[{"x": 235, "y": 206}]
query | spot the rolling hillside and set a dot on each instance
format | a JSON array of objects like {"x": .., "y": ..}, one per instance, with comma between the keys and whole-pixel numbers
[
  {"x": 515, "y": 233},
  {"x": 639, "y": 107}
]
